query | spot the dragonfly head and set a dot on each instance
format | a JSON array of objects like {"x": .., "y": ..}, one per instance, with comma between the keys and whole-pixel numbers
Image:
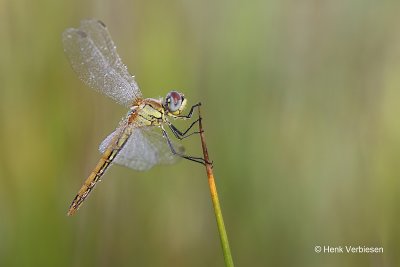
[{"x": 174, "y": 103}]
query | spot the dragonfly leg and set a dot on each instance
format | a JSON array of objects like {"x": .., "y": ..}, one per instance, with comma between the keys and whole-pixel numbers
[
  {"x": 195, "y": 159},
  {"x": 181, "y": 135},
  {"x": 190, "y": 114}
]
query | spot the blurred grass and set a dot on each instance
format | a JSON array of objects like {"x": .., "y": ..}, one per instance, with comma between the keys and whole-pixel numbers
[{"x": 300, "y": 105}]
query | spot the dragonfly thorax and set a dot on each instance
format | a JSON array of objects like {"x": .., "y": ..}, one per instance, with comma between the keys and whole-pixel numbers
[{"x": 174, "y": 103}]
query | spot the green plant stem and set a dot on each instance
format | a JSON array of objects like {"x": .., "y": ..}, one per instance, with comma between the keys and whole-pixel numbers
[{"x": 214, "y": 197}]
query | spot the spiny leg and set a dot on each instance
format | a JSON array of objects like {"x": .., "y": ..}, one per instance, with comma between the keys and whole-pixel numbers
[
  {"x": 195, "y": 159},
  {"x": 189, "y": 115},
  {"x": 181, "y": 135}
]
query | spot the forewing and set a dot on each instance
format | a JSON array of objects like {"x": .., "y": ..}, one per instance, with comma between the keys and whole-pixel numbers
[
  {"x": 145, "y": 148},
  {"x": 94, "y": 58}
]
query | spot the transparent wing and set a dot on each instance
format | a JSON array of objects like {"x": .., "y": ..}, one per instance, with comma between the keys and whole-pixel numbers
[
  {"x": 94, "y": 58},
  {"x": 123, "y": 124},
  {"x": 145, "y": 148}
]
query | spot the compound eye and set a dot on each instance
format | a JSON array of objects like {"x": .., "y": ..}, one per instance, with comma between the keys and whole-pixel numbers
[{"x": 174, "y": 101}]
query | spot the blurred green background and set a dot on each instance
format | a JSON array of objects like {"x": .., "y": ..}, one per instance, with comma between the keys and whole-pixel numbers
[{"x": 301, "y": 112}]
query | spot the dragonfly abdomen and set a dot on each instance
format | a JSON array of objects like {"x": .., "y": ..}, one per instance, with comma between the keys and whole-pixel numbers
[{"x": 97, "y": 173}]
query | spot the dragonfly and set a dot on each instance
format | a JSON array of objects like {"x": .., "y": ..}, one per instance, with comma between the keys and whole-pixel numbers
[{"x": 140, "y": 141}]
